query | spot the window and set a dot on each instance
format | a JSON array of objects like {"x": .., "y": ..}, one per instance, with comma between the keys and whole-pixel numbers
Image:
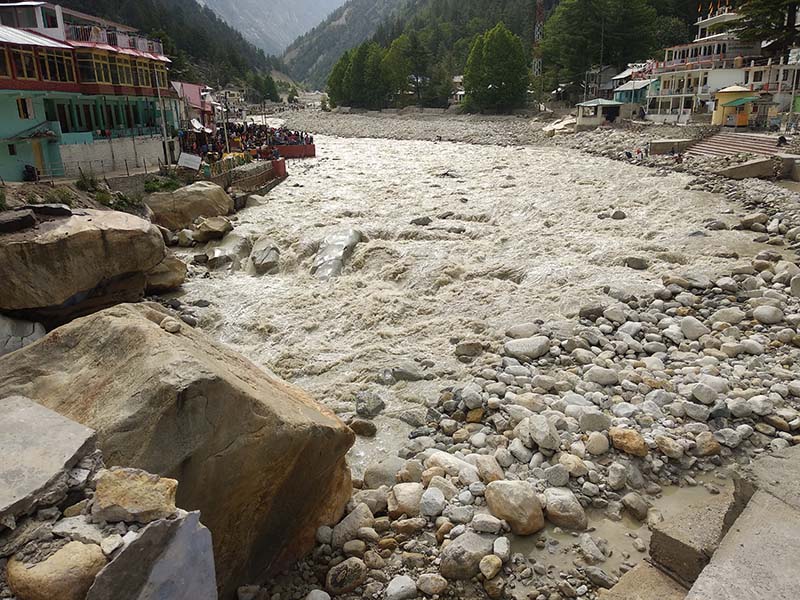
[
  {"x": 12, "y": 149},
  {"x": 758, "y": 76},
  {"x": 102, "y": 68},
  {"x": 746, "y": 77},
  {"x": 142, "y": 76},
  {"x": 24, "y": 64},
  {"x": 86, "y": 67},
  {"x": 55, "y": 65},
  {"x": 124, "y": 74},
  {"x": 5, "y": 68},
  {"x": 25, "y": 108}
]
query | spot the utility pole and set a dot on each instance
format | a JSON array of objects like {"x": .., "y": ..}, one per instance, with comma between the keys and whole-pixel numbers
[
  {"x": 163, "y": 119},
  {"x": 225, "y": 123}
]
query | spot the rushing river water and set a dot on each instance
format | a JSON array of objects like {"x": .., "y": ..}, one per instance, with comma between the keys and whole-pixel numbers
[{"x": 515, "y": 237}]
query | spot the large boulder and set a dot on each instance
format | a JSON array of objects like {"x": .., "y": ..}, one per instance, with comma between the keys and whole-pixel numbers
[
  {"x": 179, "y": 209},
  {"x": 167, "y": 275},
  {"x": 72, "y": 266},
  {"x": 334, "y": 252},
  {"x": 263, "y": 462},
  {"x": 16, "y": 334}
]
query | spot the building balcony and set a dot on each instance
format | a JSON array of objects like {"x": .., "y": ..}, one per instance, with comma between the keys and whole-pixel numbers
[
  {"x": 118, "y": 39},
  {"x": 689, "y": 91}
]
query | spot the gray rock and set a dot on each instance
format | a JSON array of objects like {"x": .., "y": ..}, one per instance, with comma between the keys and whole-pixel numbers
[
  {"x": 734, "y": 316},
  {"x": 37, "y": 446},
  {"x": 334, "y": 252},
  {"x": 318, "y": 595},
  {"x": 16, "y": 334},
  {"x": 617, "y": 476},
  {"x": 169, "y": 559},
  {"x": 557, "y": 475},
  {"x": 16, "y": 220},
  {"x": 528, "y": 348},
  {"x": 543, "y": 433},
  {"x": 431, "y": 584},
  {"x": 636, "y": 505},
  {"x": 602, "y": 376},
  {"x": 265, "y": 256},
  {"x": 346, "y": 576},
  {"x": 383, "y": 472},
  {"x": 564, "y": 510},
  {"x": 461, "y": 558},
  {"x": 594, "y": 420},
  {"x": 433, "y": 502},
  {"x": 401, "y": 587},
  {"x": 693, "y": 329},
  {"x": 347, "y": 528},
  {"x": 79, "y": 529},
  {"x": 768, "y": 315}
]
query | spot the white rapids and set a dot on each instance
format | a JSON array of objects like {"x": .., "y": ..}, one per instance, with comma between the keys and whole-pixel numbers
[{"x": 521, "y": 241}]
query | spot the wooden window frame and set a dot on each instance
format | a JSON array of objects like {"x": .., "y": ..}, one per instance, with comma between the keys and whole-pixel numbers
[
  {"x": 32, "y": 55},
  {"x": 6, "y": 61}
]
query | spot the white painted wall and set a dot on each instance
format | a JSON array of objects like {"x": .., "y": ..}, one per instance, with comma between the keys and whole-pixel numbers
[{"x": 106, "y": 156}]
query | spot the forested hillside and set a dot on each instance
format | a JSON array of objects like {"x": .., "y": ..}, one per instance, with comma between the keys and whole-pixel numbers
[
  {"x": 436, "y": 35},
  {"x": 201, "y": 45},
  {"x": 312, "y": 56}
]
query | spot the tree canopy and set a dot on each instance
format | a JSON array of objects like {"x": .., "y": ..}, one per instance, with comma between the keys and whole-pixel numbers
[
  {"x": 768, "y": 20},
  {"x": 496, "y": 76}
]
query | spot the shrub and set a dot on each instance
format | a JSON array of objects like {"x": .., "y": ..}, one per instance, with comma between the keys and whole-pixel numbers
[
  {"x": 86, "y": 182},
  {"x": 59, "y": 195}
]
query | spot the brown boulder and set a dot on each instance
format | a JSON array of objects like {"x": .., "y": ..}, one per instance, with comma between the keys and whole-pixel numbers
[
  {"x": 72, "y": 266},
  {"x": 132, "y": 495},
  {"x": 66, "y": 575},
  {"x": 167, "y": 275},
  {"x": 263, "y": 462},
  {"x": 628, "y": 441},
  {"x": 179, "y": 209}
]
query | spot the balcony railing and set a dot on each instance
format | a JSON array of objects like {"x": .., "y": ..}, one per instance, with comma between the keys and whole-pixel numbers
[{"x": 118, "y": 39}]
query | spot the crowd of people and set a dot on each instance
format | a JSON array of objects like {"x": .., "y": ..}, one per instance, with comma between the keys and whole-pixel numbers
[{"x": 261, "y": 141}]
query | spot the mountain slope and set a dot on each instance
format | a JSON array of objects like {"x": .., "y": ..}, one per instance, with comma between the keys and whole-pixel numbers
[
  {"x": 312, "y": 56},
  {"x": 273, "y": 24},
  {"x": 201, "y": 45}
]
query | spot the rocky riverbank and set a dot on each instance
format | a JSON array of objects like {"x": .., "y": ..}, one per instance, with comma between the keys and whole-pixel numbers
[{"x": 541, "y": 437}]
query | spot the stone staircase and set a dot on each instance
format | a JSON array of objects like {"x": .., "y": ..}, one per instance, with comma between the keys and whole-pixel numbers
[{"x": 729, "y": 144}]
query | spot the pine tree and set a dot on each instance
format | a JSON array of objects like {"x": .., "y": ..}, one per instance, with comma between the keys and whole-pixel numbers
[{"x": 769, "y": 20}]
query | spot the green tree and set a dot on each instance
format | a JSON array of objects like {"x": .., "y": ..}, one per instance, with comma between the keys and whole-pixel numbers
[
  {"x": 768, "y": 20},
  {"x": 337, "y": 91},
  {"x": 397, "y": 68},
  {"x": 354, "y": 79},
  {"x": 419, "y": 60},
  {"x": 583, "y": 33},
  {"x": 497, "y": 71},
  {"x": 476, "y": 82},
  {"x": 375, "y": 80},
  {"x": 293, "y": 95}
]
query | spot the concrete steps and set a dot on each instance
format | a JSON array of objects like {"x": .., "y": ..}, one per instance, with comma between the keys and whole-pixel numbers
[
  {"x": 729, "y": 144},
  {"x": 742, "y": 545},
  {"x": 758, "y": 557},
  {"x": 644, "y": 582}
]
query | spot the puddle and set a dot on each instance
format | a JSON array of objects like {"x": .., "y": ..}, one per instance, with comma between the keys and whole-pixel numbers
[{"x": 560, "y": 552}]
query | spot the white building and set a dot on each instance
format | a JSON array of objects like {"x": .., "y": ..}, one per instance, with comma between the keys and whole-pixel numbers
[{"x": 692, "y": 73}]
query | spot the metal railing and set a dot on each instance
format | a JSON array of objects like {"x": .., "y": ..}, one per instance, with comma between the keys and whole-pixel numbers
[{"x": 119, "y": 39}]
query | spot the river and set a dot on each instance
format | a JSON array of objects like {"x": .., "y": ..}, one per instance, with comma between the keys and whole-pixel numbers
[{"x": 515, "y": 237}]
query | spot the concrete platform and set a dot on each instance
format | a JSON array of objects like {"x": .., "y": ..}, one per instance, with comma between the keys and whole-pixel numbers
[
  {"x": 777, "y": 474},
  {"x": 644, "y": 582},
  {"x": 684, "y": 545},
  {"x": 758, "y": 557}
]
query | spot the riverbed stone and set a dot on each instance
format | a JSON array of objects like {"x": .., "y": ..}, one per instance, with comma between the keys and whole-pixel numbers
[
  {"x": 768, "y": 315},
  {"x": 564, "y": 510},
  {"x": 401, "y": 587},
  {"x": 67, "y": 575},
  {"x": 460, "y": 559},
  {"x": 347, "y": 529},
  {"x": 346, "y": 576},
  {"x": 517, "y": 503},
  {"x": 628, "y": 441},
  {"x": 431, "y": 584},
  {"x": 528, "y": 349},
  {"x": 405, "y": 499}
]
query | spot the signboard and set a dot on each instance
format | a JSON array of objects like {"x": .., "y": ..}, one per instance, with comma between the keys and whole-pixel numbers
[
  {"x": 190, "y": 161},
  {"x": 794, "y": 56}
]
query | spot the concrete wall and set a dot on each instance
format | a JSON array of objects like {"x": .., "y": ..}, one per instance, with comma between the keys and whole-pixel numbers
[
  {"x": 11, "y": 166},
  {"x": 665, "y": 146},
  {"x": 104, "y": 156}
]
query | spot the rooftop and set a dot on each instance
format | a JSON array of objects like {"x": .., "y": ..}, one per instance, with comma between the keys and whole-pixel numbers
[{"x": 20, "y": 37}]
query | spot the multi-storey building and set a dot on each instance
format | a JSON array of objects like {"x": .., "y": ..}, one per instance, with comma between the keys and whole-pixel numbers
[
  {"x": 692, "y": 73},
  {"x": 76, "y": 90}
]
